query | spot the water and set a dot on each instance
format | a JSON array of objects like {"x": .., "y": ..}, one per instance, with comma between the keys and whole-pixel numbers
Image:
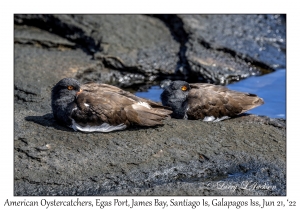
[{"x": 271, "y": 87}]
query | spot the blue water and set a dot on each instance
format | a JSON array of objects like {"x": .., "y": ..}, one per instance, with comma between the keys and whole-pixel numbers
[{"x": 271, "y": 87}]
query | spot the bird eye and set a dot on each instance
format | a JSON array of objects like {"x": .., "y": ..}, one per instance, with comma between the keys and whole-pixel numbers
[
  {"x": 184, "y": 88},
  {"x": 70, "y": 87}
]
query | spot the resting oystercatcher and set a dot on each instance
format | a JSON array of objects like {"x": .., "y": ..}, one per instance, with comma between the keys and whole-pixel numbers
[
  {"x": 207, "y": 102},
  {"x": 98, "y": 107}
]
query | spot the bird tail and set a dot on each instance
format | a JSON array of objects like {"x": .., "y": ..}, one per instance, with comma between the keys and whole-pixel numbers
[
  {"x": 146, "y": 116},
  {"x": 251, "y": 102}
]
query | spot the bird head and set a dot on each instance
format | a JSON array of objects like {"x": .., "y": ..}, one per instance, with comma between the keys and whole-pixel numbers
[
  {"x": 63, "y": 98},
  {"x": 175, "y": 95},
  {"x": 66, "y": 88}
]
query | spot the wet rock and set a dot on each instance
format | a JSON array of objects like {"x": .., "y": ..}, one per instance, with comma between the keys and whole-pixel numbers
[
  {"x": 225, "y": 48},
  {"x": 210, "y": 48},
  {"x": 260, "y": 37},
  {"x": 99, "y": 73},
  {"x": 179, "y": 158}
]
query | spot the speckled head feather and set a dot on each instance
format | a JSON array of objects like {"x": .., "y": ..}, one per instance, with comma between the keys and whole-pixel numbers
[
  {"x": 103, "y": 108},
  {"x": 206, "y": 101}
]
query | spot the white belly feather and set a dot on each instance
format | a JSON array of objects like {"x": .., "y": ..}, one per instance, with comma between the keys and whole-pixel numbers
[{"x": 104, "y": 127}]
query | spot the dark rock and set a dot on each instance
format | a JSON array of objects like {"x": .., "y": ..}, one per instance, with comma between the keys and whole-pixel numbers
[
  {"x": 179, "y": 158},
  {"x": 99, "y": 73},
  {"x": 64, "y": 26},
  {"x": 36, "y": 71},
  {"x": 225, "y": 48},
  {"x": 35, "y": 36},
  {"x": 211, "y": 48},
  {"x": 137, "y": 46}
]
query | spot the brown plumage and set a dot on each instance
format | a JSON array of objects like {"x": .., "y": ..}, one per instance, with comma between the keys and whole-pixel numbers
[
  {"x": 215, "y": 100},
  {"x": 104, "y": 108},
  {"x": 111, "y": 104},
  {"x": 201, "y": 101}
]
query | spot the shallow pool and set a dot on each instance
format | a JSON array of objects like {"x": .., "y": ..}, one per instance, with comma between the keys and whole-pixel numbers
[{"x": 271, "y": 87}]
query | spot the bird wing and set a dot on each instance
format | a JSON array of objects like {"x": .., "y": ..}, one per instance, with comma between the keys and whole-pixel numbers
[
  {"x": 106, "y": 103},
  {"x": 105, "y": 87},
  {"x": 218, "y": 101}
]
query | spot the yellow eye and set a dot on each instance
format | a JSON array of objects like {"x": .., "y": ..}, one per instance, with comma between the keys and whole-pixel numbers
[
  {"x": 70, "y": 87},
  {"x": 184, "y": 88}
]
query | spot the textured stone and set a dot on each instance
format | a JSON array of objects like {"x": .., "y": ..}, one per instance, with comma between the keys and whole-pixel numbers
[{"x": 180, "y": 158}]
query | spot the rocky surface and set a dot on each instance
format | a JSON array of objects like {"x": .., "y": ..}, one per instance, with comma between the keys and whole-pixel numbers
[
  {"x": 241, "y": 156},
  {"x": 179, "y": 158},
  {"x": 136, "y": 49},
  {"x": 225, "y": 48}
]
